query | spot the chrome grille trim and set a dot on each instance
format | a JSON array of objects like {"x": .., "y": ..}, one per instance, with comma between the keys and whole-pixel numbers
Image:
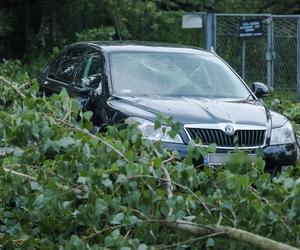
[{"x": 245, "y": 136}]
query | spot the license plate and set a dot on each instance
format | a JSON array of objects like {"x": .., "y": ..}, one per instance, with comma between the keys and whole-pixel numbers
[{"x": 223, "y": 158}]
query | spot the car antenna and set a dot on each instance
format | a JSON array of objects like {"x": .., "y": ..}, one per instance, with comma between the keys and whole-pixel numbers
[{"x": 117, "y": 25}]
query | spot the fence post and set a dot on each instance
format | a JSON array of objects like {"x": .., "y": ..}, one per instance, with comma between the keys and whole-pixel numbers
[
  {"x": 270, "y": 51},
  {"x": 210, "y": 31},
  {"x": 243, "y": 56},
  {"x": 298, "y": 58}
]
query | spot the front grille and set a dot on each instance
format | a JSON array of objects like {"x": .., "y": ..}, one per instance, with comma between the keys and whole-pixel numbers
[{"x": 241, "y": 138}]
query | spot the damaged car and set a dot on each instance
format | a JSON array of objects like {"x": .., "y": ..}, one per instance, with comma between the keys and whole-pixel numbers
[{"x": 138, "y": 81}]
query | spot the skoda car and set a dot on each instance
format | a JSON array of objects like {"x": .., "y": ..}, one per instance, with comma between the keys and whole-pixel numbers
[{"x": 137, "y": 81}]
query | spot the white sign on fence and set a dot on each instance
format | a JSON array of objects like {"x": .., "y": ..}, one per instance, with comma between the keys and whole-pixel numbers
[{"x": 191, "y": 21}]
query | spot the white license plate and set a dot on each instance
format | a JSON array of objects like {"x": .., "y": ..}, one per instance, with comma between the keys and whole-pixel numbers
[{"x": 223, "y": 158}]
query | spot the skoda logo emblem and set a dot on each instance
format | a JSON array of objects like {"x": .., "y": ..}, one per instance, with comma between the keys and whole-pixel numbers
[{"x": 229, "y": 130}]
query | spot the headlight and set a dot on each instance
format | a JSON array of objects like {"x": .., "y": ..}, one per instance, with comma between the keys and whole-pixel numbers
[
  {"x": 147, "y": 129},
  {"x": 283, "y": 135}
]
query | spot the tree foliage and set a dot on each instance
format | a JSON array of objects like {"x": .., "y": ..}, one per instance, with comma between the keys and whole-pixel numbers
[
  {"x": 96, "y": 34},
  {"x": 42, "y": 24},
  {"x": 65, "y": 187}
]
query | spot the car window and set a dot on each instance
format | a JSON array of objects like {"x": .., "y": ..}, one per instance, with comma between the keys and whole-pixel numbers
[
  {"x": 91, "y": 72},
  {"x": 55, "y": 64},
  {"x": 68, "y": 65}
]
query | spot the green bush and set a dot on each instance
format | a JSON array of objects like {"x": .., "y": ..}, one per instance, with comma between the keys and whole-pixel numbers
[
  {"x": 285, "y": 102},
  {"x": 62, "y": 187},
  {"x": 96, "y": 34}
]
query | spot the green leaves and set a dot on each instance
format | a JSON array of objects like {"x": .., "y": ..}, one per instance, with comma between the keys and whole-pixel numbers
[
  {"x": 76, "y": 106},
  {"x": 96, "y": 34},
  {"x": 107, "y": 183},
  {"x": 243, "y": 180},
  {"x": 288, "y": 183},
  {"x": 87, "y": 115},
  {"x": 118, "y": 219},
  {"x": 84, "y": 195},
  {"x": 101, "y": 206},
  {"x": 39, "y": 201},
  {"x": 66, "y": 142}
]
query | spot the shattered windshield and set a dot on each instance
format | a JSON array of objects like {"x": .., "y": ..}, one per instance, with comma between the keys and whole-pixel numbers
[{"x": 174, "y": 74}]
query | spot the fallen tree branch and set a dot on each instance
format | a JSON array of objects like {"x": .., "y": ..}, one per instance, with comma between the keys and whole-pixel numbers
[
  {"x": 12, "y": 85},
  {"x": 86, "y": 132},
  {"x": 267, "y": 202},
  {"x": 203, "y": 203},
  {"x": 19, "y": 174},
  {"x": 77, "y": 189},
  {"x": 206, "y": 230},
  {"x": 25, "y": 85},
  {"x": 188, "y": 241},
  {"x": 229, "y": 232},
  {"x": 118, "y": 152},
  {"x": 169, "y": 187}
]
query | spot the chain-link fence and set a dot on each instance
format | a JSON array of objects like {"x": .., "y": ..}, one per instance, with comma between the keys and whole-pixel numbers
[
  {"x": 246, "y": 55},
  {"x": 272, "y": 57},
  {"x": 285, "y": 47}
]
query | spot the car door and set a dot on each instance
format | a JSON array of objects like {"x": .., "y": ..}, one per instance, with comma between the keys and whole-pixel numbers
[
  {"x": 90, "y": 86},
  {"x": 62, "y": 71}
]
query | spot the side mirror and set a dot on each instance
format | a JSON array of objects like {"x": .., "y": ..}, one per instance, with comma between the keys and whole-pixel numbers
[{"x": 260, "y": 89}]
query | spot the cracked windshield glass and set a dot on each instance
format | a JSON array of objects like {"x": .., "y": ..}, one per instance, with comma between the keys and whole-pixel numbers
[{"x": 174, "y": 74}]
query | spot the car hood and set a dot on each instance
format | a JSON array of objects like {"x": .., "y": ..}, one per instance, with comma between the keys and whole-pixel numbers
[{"x": 197, "y": 110}]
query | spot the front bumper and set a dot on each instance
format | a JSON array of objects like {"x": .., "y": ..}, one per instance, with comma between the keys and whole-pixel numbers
[{"x": 274, "y": 156}]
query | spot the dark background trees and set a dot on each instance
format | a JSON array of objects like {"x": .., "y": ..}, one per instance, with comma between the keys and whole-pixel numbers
[{"x": 29, "y": 26}]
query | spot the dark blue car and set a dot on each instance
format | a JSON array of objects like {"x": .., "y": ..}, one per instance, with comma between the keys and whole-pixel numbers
[{"x": 137, "y": 81}]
